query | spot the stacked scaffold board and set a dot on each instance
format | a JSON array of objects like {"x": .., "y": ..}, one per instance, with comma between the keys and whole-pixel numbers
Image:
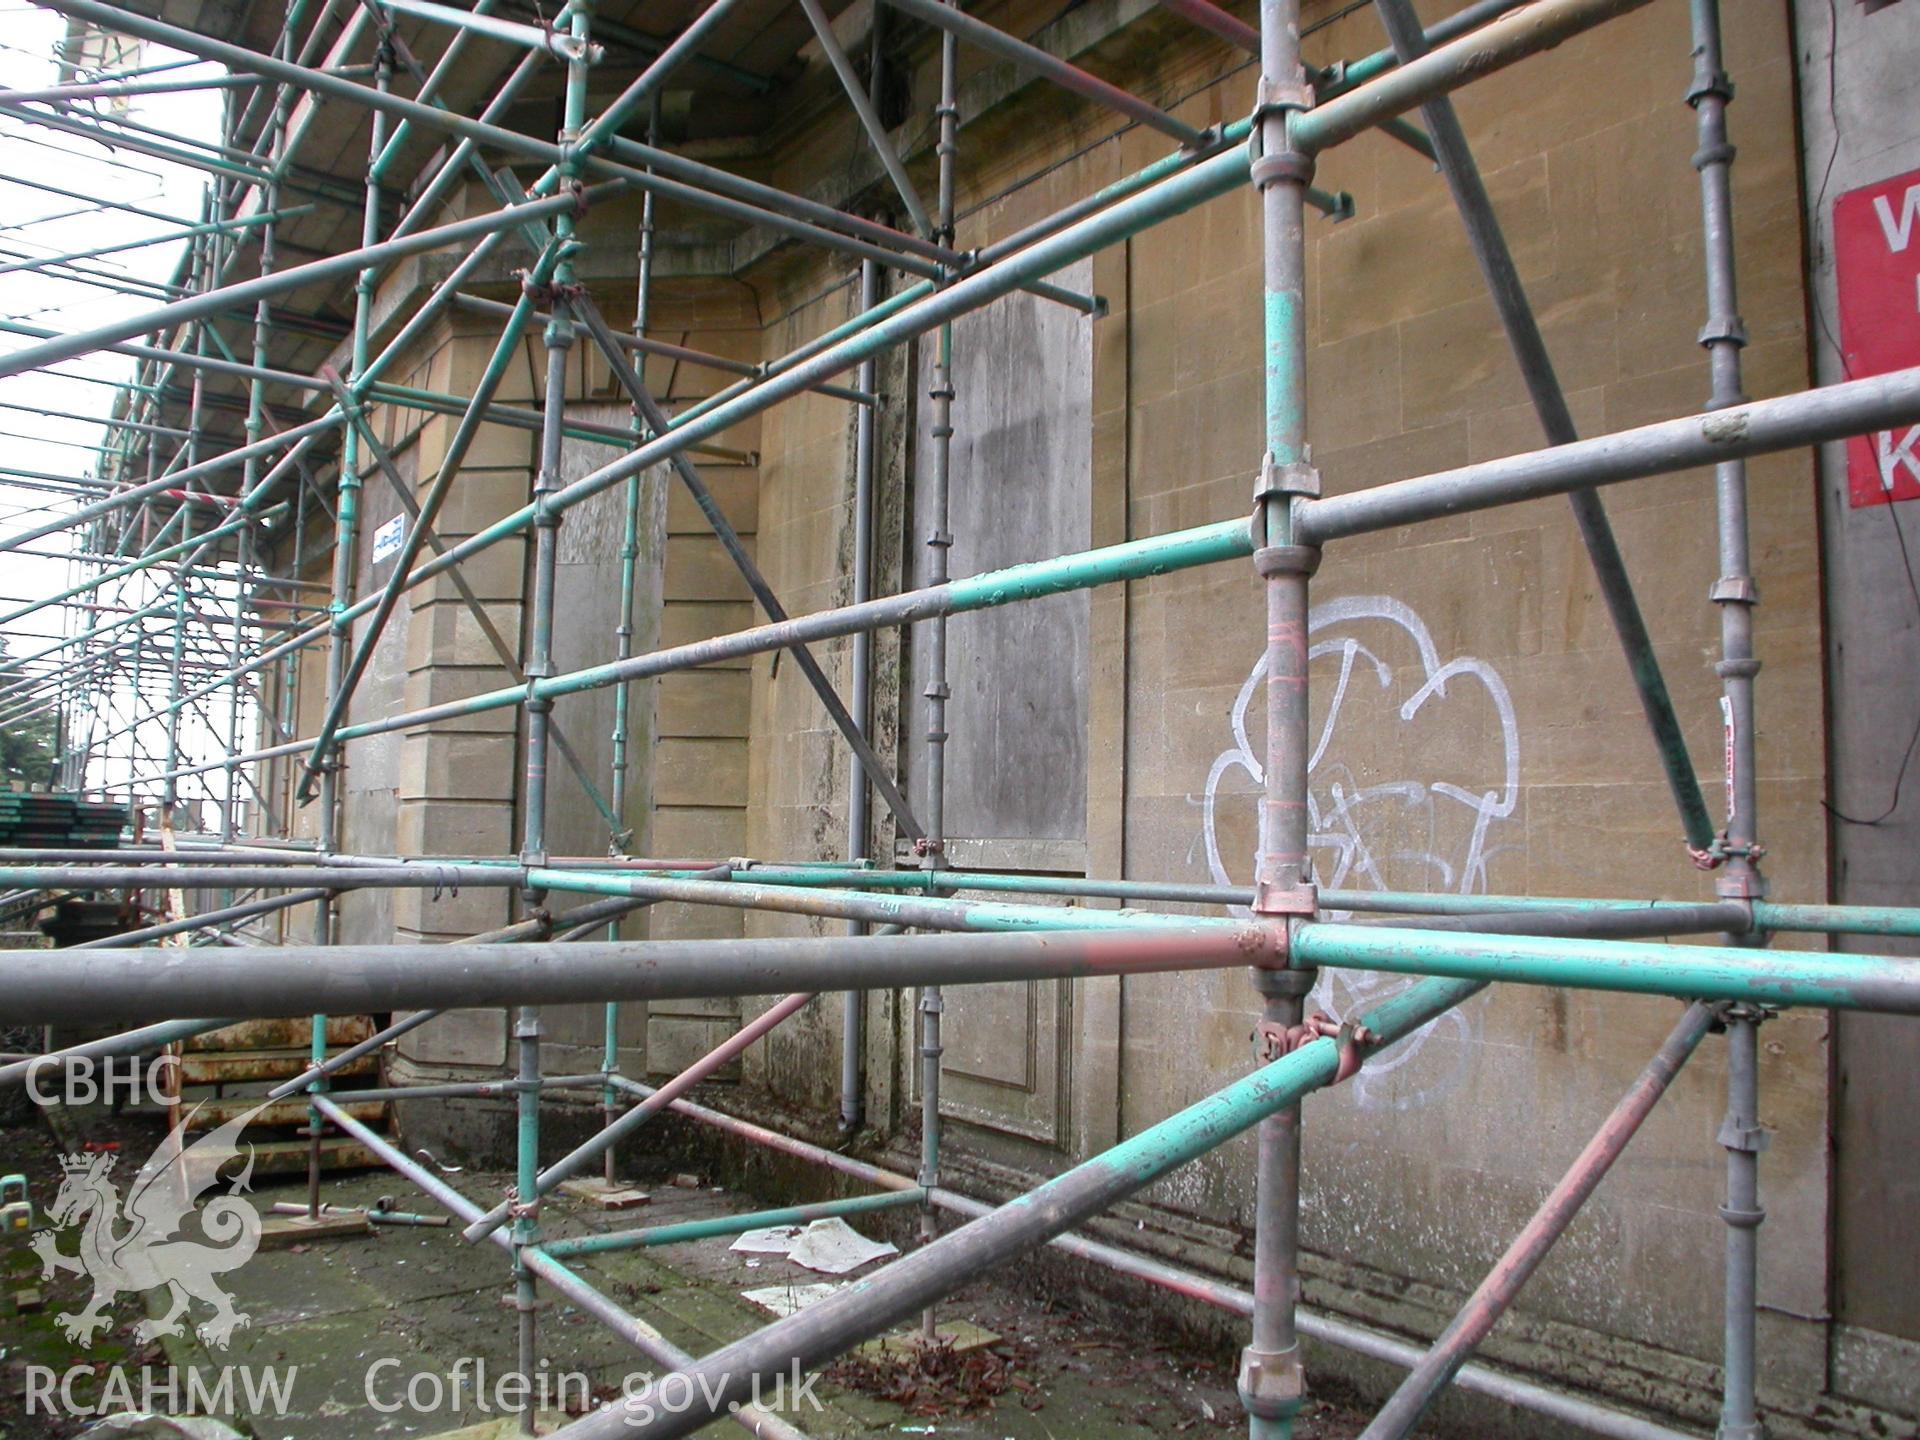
[{"x": 45, "y": 821}]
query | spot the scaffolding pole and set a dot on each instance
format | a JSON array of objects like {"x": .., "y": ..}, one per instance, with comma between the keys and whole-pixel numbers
[{"x": 156, "y": 566}]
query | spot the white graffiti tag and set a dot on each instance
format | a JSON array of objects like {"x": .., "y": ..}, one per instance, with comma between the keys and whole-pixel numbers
[{"x": 1423, "y": 812}]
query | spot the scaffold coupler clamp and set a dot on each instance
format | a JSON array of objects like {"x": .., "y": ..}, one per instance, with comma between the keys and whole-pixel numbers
[
  {"x": 1286, "y": 909},
  {"x": 1724, "y": 329},
  {"x": 1290, "y": 897},
  {"x": 942, "y": 428},
  {"x": 307, "y": 791},
  {"x": 945, "y": 145},
  {"x": 1350, "y": 1038},
  {"x": 1720, "y": 850},
  {"x": 1278, "y": 483},
  {"x": 1272, "y": 1383},
  {"x": 1287, "y": 904},
  {"x": 1726, "y": 1011},
  {"x": 1274, "y": 94},
  {"x": 1755, "y": 1141},
  {"x": 1707, "y": 80},
  {"x": 548, "y": 292},
  {"x": 1276, "y": 99},
  {"x": 1295, "y": 479},
  {"x": 518, "y": 1209},
  {"x": 1742, "y": 882},
  {"x": 1744, "y": 1137},
  {"x": 1203, "y": 142},
  {"x": 566, "y": 47},
  {"x": 930, "y": 1002}
]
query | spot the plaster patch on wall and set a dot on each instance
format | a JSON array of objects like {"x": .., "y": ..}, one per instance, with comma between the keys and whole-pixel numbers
[{"x": 1424, "y": 811}]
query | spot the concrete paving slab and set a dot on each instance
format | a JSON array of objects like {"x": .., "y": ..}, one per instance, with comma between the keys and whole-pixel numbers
[{"x": 302, "y": 1285}]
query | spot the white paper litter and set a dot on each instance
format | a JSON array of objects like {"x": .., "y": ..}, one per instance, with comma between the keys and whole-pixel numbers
[
  {"x": 785, "y": 1300},
  {"x": 774, "y": 1240},
  {"x": 834, "y": 1247}
]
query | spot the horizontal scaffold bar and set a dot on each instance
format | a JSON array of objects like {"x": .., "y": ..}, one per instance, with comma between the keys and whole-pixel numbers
[
  {"x": 821, "y": 891},
  {"x": 278, "y": 282},
  {"x": 1850, "y": 408},
  {"x": 935, "y": 913},
  {"x": 923, "y": 912},
  {"x": 1501, "y": 43},
  {"x": 1766, "y": 914},
  {"x": 1827, "y": 981},
  {"x": 166, "y": 982},
  {"x": 425, "y": 875},
  {"x": 1808, "y": 417}
]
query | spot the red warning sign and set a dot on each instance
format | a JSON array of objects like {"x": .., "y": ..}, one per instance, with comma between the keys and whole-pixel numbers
[{"x": 1876, "y": 244}]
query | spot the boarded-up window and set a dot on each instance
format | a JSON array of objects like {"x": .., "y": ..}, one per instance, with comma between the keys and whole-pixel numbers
[
  {"x": 1020, "y": 490},
  {"x": 1016, "y": 790}
]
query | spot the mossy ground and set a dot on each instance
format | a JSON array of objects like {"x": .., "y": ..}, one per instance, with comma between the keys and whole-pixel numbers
[{"x": 358, "y": 1319}]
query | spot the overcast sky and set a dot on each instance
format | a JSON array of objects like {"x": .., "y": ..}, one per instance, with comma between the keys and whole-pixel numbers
[{"x": 35, "y": 223}]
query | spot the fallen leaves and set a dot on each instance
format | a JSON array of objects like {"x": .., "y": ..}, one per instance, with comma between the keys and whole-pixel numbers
[{"x": 936, "y": 1380}]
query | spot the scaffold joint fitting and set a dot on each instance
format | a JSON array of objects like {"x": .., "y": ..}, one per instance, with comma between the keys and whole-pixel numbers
[
  {"x": 1272, "y": 1383},
  {"x": 1272, "y": 560},
  {"x": 1748, "y": 1139},
  {"x": 1709, "y": 82},
  {"x": 1724, "y": 329},
  {"x": 1295, "y": 477},
  {"x": 1708, "y": 156}
]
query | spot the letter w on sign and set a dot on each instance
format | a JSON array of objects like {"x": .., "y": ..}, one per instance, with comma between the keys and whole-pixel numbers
[{"x": 1876, "y": 242}]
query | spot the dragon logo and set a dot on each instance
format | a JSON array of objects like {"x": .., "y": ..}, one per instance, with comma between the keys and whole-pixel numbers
[{"x": 136, "y": 1245}]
